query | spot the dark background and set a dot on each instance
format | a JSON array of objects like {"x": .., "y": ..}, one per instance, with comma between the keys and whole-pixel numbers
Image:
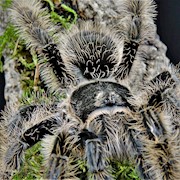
[
  {"x": 2, "y": 83},
  {"x": 168, "y": 26}
]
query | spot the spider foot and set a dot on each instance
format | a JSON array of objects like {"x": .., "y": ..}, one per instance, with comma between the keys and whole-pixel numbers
[
  {"x": 12, "y": 158},
  {"x": 97, "y": 165},
  {"x": 94, "y": 155},
  {"x": 58, "y": 167}
]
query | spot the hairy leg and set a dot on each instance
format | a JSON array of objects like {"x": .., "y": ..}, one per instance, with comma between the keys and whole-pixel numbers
[
  {"x": 14, "y": 145},
  {"x": 94, "y": 155},
  {"x": 160, "y": 141},
  {"x": 58, "y": 150},
  {"x": 35, "y": 28},
  {"x": 135, "y": 25}
]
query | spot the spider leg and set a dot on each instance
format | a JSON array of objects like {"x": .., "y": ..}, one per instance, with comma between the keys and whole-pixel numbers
[
  {"x": 63, "y": 153},
  {"x": 136, "y": 24},
  {"x": 15, "y": 121},
  {"x": 160, "y": 142},
  {"x": 18, "y": 143},
  {"x": 58, "y": 150},
  {"x": 35, "y": 28},
  {"x": 94, "y": 155}
]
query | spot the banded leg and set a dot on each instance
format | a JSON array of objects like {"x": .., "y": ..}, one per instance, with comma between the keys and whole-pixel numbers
[
  {"x": 14, "y": 123},
  {"x": 14, "y": 154},
  {"x": 136, "y": 24},
  {"x": 59, "y": 153},
  {"x": 161, "y": 143},
  {"x": 94, "y": 155},
  {"x": 35, "y": 28},
  {"x": 150, "y": 137}
]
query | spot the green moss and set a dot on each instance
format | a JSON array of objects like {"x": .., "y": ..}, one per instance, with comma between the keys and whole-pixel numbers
[
  {"x": 5, "y": 4},
  {"x": 124, "y": 171},
  {"x": 32, "y": 167},
  {"x": 8, "y": 40},
  {"x": 66, "y": 22}
]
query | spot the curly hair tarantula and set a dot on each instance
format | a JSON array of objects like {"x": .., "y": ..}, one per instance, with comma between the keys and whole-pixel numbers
[{"x": 119, "y": 103}]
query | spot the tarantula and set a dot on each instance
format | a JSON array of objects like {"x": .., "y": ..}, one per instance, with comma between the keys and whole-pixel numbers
[{"x": 119, "y": 103}]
